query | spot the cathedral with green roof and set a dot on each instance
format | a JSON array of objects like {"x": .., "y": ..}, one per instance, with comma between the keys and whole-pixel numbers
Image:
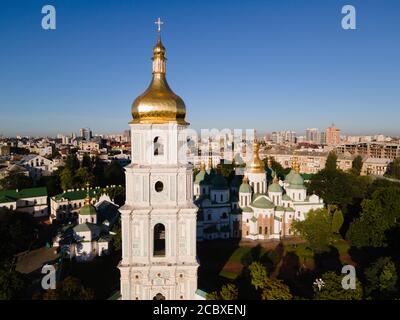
[{"x": 254, "y": 206}]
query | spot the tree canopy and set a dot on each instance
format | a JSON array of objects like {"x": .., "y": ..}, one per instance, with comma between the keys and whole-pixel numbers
[
  {"x": 333, "y": 289},
  {"x": 319, "y": 228}
]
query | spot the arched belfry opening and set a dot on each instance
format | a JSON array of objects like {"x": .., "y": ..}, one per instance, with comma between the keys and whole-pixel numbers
[
  {"x": 159, "y": 296},
  {"x": 158, "y": 146},
  {"x": 159, "y": 240}
]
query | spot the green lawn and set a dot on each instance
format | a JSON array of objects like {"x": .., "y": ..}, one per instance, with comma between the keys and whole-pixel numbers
[{"x": 234, "y": 267}]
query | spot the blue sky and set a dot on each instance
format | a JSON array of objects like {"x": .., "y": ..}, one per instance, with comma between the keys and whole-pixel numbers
[{"x": 269, "y": 65}]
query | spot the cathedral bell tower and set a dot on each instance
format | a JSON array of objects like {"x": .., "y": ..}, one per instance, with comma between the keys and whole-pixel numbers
[{"x": 159, "y": 217}]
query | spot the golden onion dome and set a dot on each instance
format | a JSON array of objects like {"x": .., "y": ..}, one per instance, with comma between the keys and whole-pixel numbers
[
  {"x": 256, "y": 165},
  {"x": 159, "y": 104}
]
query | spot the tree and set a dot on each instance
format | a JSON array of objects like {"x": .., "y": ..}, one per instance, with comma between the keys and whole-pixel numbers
[
  {"x": 87, "y": 162},
  {"x": 15, "y": 180},
  {"x": 275, "y": 290},
  {"x": 316, "y": 229},
  {"x": 117, "y": 238},
  {"x": 258, "y": 275},
  {"x": 277, "y": 167},
  {"x": 271, "y": 289},
  {"x": 333, "y": 289},
  {"x": 338, "y": 188},
  {"x": 114, "y": 174},
  {"x": 356, "y": 165},
  {"x": 69, "y": 289},
  {"x": 331, "y": 161},
  {"x": 337, "y": 221},
  {"x": 12, "y": 284},
  {"x": 82, "y": 177},
  {"x": 98, "y": 172},
  {"x": 72, "y": 163},
  {"x": 378, "y": 215},
  {"x": 229, "y": 292},
  {"x": 393, "y": 170},
  {"x": 66, "y": 179},
  {"x": 381, "y": 278},
  {"x": 16, "y": 233}
]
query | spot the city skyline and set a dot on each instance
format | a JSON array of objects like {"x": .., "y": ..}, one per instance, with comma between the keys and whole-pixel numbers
[{"x": 308, "y": 72}]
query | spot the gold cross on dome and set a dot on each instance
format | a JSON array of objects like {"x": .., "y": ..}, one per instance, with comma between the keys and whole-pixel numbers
[{"x": 159, "y": 23}]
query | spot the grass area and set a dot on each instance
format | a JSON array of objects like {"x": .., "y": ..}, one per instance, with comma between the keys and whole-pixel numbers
[
  {"x": 238, "y": 254},
  {"x": 233, "y": 266}
]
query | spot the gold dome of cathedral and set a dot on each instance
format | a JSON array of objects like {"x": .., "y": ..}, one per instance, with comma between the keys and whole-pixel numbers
[
  {"x": 256, "y": 165},
  {"x": 159, "y": 104}
]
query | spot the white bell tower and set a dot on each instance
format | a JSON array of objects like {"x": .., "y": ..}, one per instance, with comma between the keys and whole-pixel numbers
[{"x": 159, "y": 218}]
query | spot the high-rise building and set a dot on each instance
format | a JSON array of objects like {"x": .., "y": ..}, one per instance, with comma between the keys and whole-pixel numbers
[
  {"x": 312, "y": 135},
  {"x": 332, "y": 136},
  {"x": 85, "y": 133},
  {"x": 159, "y": 217}
]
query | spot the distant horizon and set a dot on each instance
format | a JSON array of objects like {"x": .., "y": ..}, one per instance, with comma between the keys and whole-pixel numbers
[
  {"x": 259, "y": 133},
  {"x": 267, "y": 65}
]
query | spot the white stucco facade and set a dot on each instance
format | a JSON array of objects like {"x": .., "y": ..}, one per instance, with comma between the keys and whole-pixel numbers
[{"x": 159, "y": 191}]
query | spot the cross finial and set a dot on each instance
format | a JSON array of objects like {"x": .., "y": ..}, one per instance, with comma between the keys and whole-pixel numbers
[{"x": 159, "y": 23}]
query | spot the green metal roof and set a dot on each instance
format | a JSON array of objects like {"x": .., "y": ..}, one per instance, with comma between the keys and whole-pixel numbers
[
  {"x": 76, "y": 194},
  {"x": 289, "y": 176},
  {"x": 263, "y": 203},
  {"x": 297, "y": 186},
  {"x": 85, "y": 227},
  {"x": 275, "y": 187},
  {"x": 13, "y": 195},
  {"x": 245, "y": 188},
  {"x": 297, "y": 179},
  {"x": 247, "y": 209},
  {"x": 253, "y": 219},
  {"x": 88, "y": 209},
  {"x": 279, "y": 208},
  {"x": 286, "y": 197}
]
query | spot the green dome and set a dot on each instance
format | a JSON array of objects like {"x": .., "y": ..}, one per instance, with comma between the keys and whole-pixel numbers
[
  {"x": 275, "y": 187},
  {"x": 219, "y": 183},
  {"x": 262, "y": 203},
  {"x": 87, "y": 210},
  {"x": 296, "y": 180},
  {"x": 290, "y": 175},
  {"x": 245, "y": 188},
  {"x": 247, "y": 209}
]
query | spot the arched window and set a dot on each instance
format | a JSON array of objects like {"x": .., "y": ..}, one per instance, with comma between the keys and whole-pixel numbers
[
  {"x": 266, "y": 230},
  {"x": 224, "y": 215},
  {"x": 209, "y": 216},
  {"x": 159, "y": 296},
  {"x": 159, "y": 240},
  {"x": 222, "y": 197},
  {"x": 260, "y": 230},
  {"x": 158, "y": 147}
]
